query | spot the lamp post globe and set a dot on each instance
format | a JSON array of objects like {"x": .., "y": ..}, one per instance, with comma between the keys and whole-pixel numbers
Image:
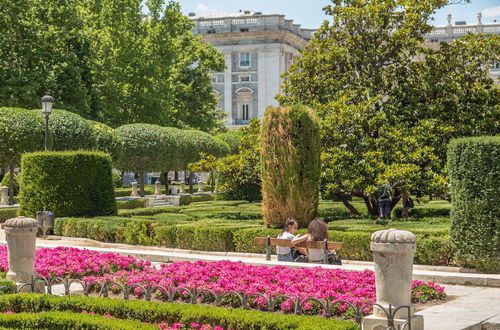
[{"x": 47, "y": 103}]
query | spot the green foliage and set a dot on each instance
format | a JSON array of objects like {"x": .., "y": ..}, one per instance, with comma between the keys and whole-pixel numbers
[
  {"x": 70, "y": 131},
  {"x": 6, "y": 214},
  {"x": 145, "y": 148},
  {"x": 386, "y": 112},
  {"x": 117, "y": 180},
  {"x": 290, "y": 165},
  {"x": 106, "y": 62},
  {"x": 130, "y": 204},
  {"x": 77, "y": 183},
  {"x": 106, "y": 139},
  {"x": 6, "y": 180},
  {"x": 157, "y": 312},
  {"x": 239, "y": 175},
  {"x": 67, "y": 320},
  {"x": 7, "y": 286},
  {"x": 434, "y": 251},
  {"x": 20, "y": 131},
  {"x": 474, "y": 168},
  {"x": 233, "y": 140}
]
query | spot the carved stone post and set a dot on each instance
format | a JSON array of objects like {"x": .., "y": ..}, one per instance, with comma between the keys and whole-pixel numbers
[
  {"x": 5, "y": 195},
  {"x": 393, "y": 262},
  {"x": 21, "y": 238},
  {"x": 157, "y": 188},
  {"x": 134, "y": 190},
  {"x": 200, "y": 186},
  {"x": 182, "y": 191}
]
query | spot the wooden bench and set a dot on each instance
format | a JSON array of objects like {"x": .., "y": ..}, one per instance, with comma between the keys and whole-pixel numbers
[{"x": 325, "y": 245}]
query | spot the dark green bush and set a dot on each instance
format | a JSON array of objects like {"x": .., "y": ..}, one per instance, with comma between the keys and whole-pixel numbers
[
  {"x": 233, "y": 140},
  {"x": 157, "y": 312},
  {"x": 247, "y": 191},
  {"x": 117, "y": 180},
  {"x": 474, "y": 169},
  {"x": 72, "y": 183},
  {"x": 130, "y": 204},
  {"x": 7, "y": 286},
  {"x": 106, "y": 139},
  {"x": 6, "y": 214},
  {"x": 148, "y": 211},
  {"x": 67, "y": 320},
  {"x": 434, "y": 251},
  {"x": 188, "y": 199}
]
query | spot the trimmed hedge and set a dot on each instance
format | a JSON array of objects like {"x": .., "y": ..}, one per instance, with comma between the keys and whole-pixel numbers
[
  {"x": 7, "y": 286},
  {"x": 474, "y": 169},
  {"x": 157, "y": 312},
  {"x": 6, "y": 214},
  {"x": 71, "y": 183},
  {"x": 130, "y": 204},
  {"x": 70, "y": 131},
  {"x": 6, "y": 180},
  {"x": 67, "y": 320}
]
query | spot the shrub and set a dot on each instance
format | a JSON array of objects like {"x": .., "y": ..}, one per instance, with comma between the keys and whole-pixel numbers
[
  {"x": 70, "y": 131},
  {"x": 72, "y": 183},
  {"x": 117, "y": 180},
  {"x": 233, "y": 140},
  {"x": 423, "y": 212},
  {"x": 123, "y": 192},
  {"x": 130, "y": 204},
  {"x": 156, "y": 312},
  {"x": 6, "y": 214},
  {"x": 7, "y": 286},
  {"x": 474, "y": 169},
  {"x": 67, "y": 320},
  {"x": 106, "y": 139},
  {"x": 290, "y": 165},
  {"x": 6, "y": 180},
  {"x": 188, "y": 199},
  {"x": 433, "y": 251}
]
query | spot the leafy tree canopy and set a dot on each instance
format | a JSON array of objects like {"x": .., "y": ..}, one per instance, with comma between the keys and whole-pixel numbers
[{"x": 388, "y": 107}]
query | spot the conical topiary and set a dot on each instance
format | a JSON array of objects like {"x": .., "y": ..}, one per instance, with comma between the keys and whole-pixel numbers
[{"x": 290, "y": 165}]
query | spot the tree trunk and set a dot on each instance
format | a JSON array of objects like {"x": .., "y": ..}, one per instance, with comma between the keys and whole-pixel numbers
[
  {"x": 190, "y": 182},
  {"x": 213, "y": 181},
  {"x": 11, "y": 184},
  {"x": 371, "y": 205},
  {"x": 176, "y": 175},
  {"x": 406, "y": 210},
  {"x": 350, "y": 207},
  {"x": 165, "y": 177},
  {"x": 141, "y": 179}
]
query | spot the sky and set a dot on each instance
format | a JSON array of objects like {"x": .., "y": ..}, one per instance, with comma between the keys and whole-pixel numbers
[{"x": 309, "y": 13}]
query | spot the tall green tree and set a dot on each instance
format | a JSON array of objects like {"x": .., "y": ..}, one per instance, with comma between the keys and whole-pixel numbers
[{"x": 387, "y": 106}]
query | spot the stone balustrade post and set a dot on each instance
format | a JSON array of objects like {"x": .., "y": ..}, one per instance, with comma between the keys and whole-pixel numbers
[
  {"x": 200, "y": 186},
  {"x": 21, "y": 239},
  {"x": 157, "y": 188},
  {"x": 182, "y": 191},
  {"x": 393, "y": 263},
  {"x": 134, "y": 190},
  {"x": 5, "y": 195}
]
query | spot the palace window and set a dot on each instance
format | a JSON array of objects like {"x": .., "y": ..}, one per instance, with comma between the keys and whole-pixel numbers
[
  {"x": 244, "y": 111},
  {"x": 244, "y": 78},
  {"x": 244, "y": 59}
]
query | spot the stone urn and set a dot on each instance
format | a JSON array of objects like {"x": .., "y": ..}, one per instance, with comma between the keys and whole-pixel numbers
[{"x": 21, "y": 238}]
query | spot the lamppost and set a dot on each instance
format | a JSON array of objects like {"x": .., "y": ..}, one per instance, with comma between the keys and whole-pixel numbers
[{"x": 47, "y": 102}]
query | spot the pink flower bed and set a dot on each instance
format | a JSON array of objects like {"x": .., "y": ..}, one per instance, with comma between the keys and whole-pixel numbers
[
  {"x": 75, "y": 263},
  {"x": 357, "y": 288}
]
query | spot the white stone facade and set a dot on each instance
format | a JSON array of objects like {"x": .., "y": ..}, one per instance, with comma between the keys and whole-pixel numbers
[{"x": 257, "y": 50}]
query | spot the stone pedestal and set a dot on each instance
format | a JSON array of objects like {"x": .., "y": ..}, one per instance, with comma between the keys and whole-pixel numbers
[
  {"x": 182, "y": 185},
  {"x": 157, "y": 188},
  {"x": 4, "y": 195},
  {"x": 134, "y": 190},
  {"x": 173, "y": 190},
  {"x": 21, "y": 238},
  {"x": 393, "y": 262},
  {"x": 200, "y": 186}
]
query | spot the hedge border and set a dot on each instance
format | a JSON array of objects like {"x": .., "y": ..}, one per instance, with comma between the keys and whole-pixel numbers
[{"x": 157, "y": 312}]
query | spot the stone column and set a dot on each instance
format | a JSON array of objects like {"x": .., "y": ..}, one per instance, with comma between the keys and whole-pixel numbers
[
  {"x": 5, "y": 195},
  {"x": 393, "y": 262},
  {"x": 228, "y": 86},
  {"x": 21, "y": 238},
  {"x": 157, "y": 188},
  {"x": 200, "y": 186},
  {"x": 182, "y": 185},
  {"x": 134, "y": 190}
]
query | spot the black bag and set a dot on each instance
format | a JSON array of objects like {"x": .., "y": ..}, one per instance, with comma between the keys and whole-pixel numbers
[{"x": 334, "y": 259}]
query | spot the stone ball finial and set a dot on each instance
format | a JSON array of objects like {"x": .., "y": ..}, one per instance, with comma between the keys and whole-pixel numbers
[
  {"x": 393, "y": 240},
  {"x": 21, "y": 224},
  {"x": 394, "y": 236}
]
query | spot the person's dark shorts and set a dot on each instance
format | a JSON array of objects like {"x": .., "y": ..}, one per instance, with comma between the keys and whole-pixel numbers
[{"x": 384, "y": 206}]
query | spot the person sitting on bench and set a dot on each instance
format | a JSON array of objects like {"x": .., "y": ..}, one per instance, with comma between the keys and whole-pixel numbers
[
  {"x": 285, "y": 252},
  {"x": 316, "y": 231}
]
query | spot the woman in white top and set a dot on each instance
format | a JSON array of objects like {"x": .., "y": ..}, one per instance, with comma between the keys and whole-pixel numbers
[
  {"x": 316, "y": 231},
  {"x": 285, "y": 252}
]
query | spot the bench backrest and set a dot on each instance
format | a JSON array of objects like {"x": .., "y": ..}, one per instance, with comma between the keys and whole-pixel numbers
[{"x": 305, "y": 244}]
